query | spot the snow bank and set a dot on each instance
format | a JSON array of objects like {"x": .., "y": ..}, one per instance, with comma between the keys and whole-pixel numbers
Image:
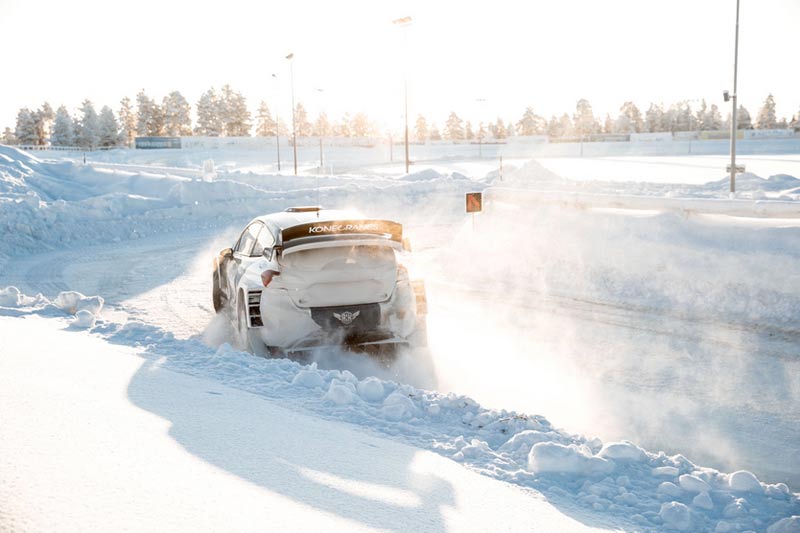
[{"x": 652, "y": 491}]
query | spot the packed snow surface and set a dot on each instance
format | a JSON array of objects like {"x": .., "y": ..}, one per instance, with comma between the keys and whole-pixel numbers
[{"x": 653, "y": 326}]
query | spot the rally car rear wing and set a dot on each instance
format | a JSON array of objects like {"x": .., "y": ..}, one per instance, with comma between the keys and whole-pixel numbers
[{"x": 334, "y": 232}]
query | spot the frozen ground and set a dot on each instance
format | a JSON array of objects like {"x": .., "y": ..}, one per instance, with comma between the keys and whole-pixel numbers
[{"x": 673, "y": 332}]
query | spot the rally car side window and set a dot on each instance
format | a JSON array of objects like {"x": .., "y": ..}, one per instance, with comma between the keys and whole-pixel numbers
[
  {"x": 248, "y": 238},
  {"x": 265, "y": 240}
]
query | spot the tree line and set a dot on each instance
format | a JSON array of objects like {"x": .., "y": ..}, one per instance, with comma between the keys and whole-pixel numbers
[{"x": 224, "y": 113}]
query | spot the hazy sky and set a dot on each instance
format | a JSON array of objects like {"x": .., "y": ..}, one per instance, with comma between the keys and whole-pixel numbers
[{"x": 480, "y": 59}]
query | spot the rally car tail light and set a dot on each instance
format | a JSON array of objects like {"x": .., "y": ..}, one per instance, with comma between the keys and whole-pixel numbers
[
  {"x": 420, "y": 296},
  {"x": 267, "y": 275}
]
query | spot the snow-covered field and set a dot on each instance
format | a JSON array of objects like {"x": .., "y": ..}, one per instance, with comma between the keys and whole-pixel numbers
[{"x": 661, "y": 345}]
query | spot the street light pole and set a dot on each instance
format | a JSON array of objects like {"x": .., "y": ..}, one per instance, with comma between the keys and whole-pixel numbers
[
  {"x": 277, "y": 124},
  {"x": 404, "y": 23},
  {"x": 320, "y": 91},
  {"x": 290, "y": 57},
  {"x": 733, "y": 98}
]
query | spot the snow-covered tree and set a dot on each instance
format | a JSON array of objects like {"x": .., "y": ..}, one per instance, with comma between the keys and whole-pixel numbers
[
  {"x": 8, "y": 137},
  {"x": 107, "y": 128},
  {"x": 633, "y": 117},
  {"x": 342, "y": 128},
  {"x": 44, "y": 123},
  {"x": 232, "y": 108},
  {"x": 498, "y": 129},
  {"x": 469, "y": 134},
  {"x": 509, "y": 129},
  {"x": 265, "y": 124},
  {"x": 482, "y": 133},
  {"x": 322, "y": 126},
  {"x": 608, "y": 124},
  {"x": 655, "y": 119},
  {"x": 743, "y": 119},
  {"x": 714, "y": 118},
  {"x": 63, "y": 133},
  {"x": 87, "y": 134},
  {"x": 531, "y": 123},
  {"x": 585, "y": 123},
  {"x": 767, "y": 119},
  {"x": 435, "y": 135},
  {"x": 454, "y": 127},
  {"x": 127, "y": 122},
  {"x": 421, "y": 129},
  {"x": 795, "y": 124},
  {"x": 177, "y": 115},
  {"x": 360, "y": 125},
  {"x": 209, "y": 121},
  {"x": 150, "y": 119},
  {"x": 303, "y": 126},
  {"x": 25, "y": 131}
]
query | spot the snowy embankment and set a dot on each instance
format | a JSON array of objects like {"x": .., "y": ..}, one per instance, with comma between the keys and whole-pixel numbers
[{"x": 627, "y": 486}]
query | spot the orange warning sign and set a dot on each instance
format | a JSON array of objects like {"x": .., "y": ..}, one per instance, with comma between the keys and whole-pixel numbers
[{"x": 474, "y": 202}]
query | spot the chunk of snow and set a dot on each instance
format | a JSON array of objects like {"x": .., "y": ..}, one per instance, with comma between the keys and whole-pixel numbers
[
  {"x": 83, "y": 319},
  {"x": 398, "y": 406},
  {"x": 722, "y": 527},
  {"x": 341, "y": 392},
  {"x": 370, "y": 389},
  {"x": 670, "y": 489},
  {"x": 9, "y": 297},
  {"x": 309, "y": 377},
  {"x": 552, "y": 457},
  {"x": 72, "y": 301},
  {"x": 665, "y": 471},
  {"x": 745, "y": 481},
  {"x": 676, "y": 516},
  {"x": 622, "y": 451},
  {"x": 790, "y": 524},
  {"x": 692, "y": 483},
  {"x": 703, "y": 501}
]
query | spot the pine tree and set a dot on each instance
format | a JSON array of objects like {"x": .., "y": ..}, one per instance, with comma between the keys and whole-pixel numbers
[
  {"x": 87, "y": 131},
  {"x": 633, "y": 116},
  {"x": 767, "y": 118},
  {"x": 531, "y": 123},
  {"x": 469, "y": 133},
  {"x": 702, "y": 117},
  {"x": 608, "y": 125},
  {"x": 654, "y": 119},
  {"x": 435, "y": 135},
  {"x": 107, "y": 130},
  {"x": 209, "y": 121},
  {"x": 150, "y": 116},
  {"x": 714, "y": 119},
  {"x": 304, "y": 128},
  {"x": 265, "y": 125},
  {"x": 509, "y": 129},
  {"x": 743, "y": 119},
  {"x": 26, "y": 127},
  {"x": 8, "y": 137},
  {"x": 233, "y": 112},
  {"x": 499, "y": 129},
  {"x": 454, "y": 129},
  {"x": 343, "y": 128},
  {"x": 322, "y": 126},
  {"x": 177, "y": 115},
  {"x": 360, "y": 125},
  {"x": 481, "y": 131},
  {"x": 63, "y": 129},
  {"x": 565, "y": 126},
  {"x": 127, "y": 122},
  {"x": 585, "y": 123},
  {"x": 44, "y": 123},
  {"x": 421, "y": 129}
]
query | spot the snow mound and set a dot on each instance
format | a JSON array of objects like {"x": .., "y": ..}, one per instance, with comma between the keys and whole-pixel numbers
[
  {"x": 84, "y": 319},
  {"x": 371, "y": 389},
  {"x": 676, "y": 516},
  {"x": 786, "y": 525},
  {"x": 622, "y": 451},
  {"x": 552, "y": 457},
  {"x": 744, "y": 481},
  {"x": 309, "y": 377},
  {"x": 72, "y": 302},
  {"x": 10, "y": 297}
]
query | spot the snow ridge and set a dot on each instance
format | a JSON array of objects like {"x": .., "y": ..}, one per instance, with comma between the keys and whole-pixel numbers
[{"x": 649, "y": 491}]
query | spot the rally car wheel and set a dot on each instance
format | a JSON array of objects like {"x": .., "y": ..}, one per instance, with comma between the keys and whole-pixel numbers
[{"x": 220, "y": 300}]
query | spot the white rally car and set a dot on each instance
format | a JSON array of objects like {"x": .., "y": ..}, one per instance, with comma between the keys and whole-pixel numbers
[{"x": 309, "y": 277}]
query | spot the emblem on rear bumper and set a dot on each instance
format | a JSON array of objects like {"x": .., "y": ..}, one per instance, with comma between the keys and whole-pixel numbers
[{"x": 347, "y": 317}]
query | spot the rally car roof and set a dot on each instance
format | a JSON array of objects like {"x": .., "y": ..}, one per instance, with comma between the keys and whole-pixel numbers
[{"x": 294, "y": 216}]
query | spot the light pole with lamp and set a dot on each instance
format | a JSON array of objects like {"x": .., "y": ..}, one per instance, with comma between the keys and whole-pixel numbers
[
  {"x": 732, "y": 168},
  {"x": 290, "y": 57},
  {"x": 277, "y": 124},
  {"x": 404, "y": 23}
]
